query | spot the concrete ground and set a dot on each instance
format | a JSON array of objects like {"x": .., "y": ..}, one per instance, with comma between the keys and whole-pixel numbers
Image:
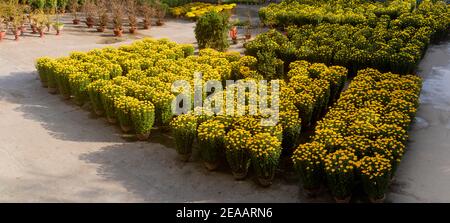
[
  {"x": 424, "y": 174},
  {"x": 54, "y": 151}
]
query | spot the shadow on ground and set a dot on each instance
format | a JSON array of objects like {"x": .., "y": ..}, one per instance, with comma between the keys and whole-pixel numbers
[
  {"x": 61, "y": 118},
  {"x": 153, "y": 172}
]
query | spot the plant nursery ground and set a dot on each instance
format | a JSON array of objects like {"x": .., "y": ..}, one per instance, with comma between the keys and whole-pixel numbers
[{"x": 54, "y": 151}]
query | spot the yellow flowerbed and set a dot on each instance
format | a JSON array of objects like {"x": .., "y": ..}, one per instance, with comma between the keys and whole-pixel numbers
[
  {"x": 363, "y": 136},
  {"x": 197, "y": 9}
]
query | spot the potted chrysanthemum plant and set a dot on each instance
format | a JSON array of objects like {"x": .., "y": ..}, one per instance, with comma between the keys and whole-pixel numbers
[
  {"x": 237, "y": 152},
  {"x": 375, "y": 176},
  {"x": 184, "y": 129},
  {"x": 109, "y": 93},
  {"x": 265, "y": 151},
  {"x": 308, "y": 163},
  {"x": 143, "y": 118},
  {"x": 210, "y": 136},
  {"x": 94, "y": 91},
  {"x": 340, "y": 174}
]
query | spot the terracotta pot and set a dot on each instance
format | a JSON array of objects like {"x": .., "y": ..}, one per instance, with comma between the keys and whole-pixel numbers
[
  {"x": 159, "y": 23},
  {"x": 111, "y": 120},
  {"x": 33, "y": 29},
  {"x": 16, "y": 34},
  {"x": 133, "y": 30},
  {"x": 143, "y": 136},
  {"x": 345, "y": 200},
  {"x": 211, "y": 165},
  {"x": 239, "y": 175},
  {"x": 22, "y": 30},
  {"x": 184, "y": 157},
  {"x": 125, "y": 128},
  {"x": 377, "y": 200},
  {"x": 2, "y": 35},
  {"x": 118, "y": 32},
  {"x": 76, "y": 21},
  {"x": 41, "y": 33},
  {"x": 90, "y": 22},
  {"x": 58, "y": 28},
  {"x": 52, "y": 90},
  {"x": 101, "y": 29},
  {"x": 146, "y": 24}
]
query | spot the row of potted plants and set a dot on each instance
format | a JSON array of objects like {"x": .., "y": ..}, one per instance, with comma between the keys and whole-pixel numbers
[
  {"x": 241, "y": 140},
  {"x": 16, "y": 17},
  {"x": 144, "y": 70},
  {"x": 117, "y": 80},
  {"x": 196, "y": 9},
  {"x": 298, "y": 13},
  {"x": 389, "y": 44},
  {"x": 101, "y": 12},
  {"x": 361, "y": 140}
]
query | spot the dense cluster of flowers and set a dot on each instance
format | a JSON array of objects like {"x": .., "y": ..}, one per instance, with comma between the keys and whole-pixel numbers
[
  {"x": 196, "y": 9},
  {"x": 362, "y": 136},
  {"x": 346, "y": 12},
  {"x": 312, "y": 87},
  {"x": 392, "y": 38},
  {"x": 184, "y": 129},
  {"x": 243, "y": 140},
  {"x": 136, "y": 77}
]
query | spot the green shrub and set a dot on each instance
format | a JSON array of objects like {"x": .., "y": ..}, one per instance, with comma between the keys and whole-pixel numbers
[
  {"x": 38, "y": 4},
  {"x": 62, "y": 4},
  {"x": 211, "y": 31}
]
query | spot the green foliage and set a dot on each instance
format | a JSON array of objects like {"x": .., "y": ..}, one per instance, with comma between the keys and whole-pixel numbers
[
  {"x": 211, "y": 31},
  {"x": 188, "y": 49},
  {"x": 174, "y": 3},
  {"x": 51, "y": 5},
  {"x": 62, "y": 4},
  {"x": 38, "y": 4},
  {"x": 269, "y": 66}
]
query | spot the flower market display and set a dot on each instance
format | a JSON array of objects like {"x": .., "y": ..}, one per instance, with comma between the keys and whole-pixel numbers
[
  {"x": 348, "y": 140},
  {"x": 304, "y": 98},
  {"x": 196, "y": 9},
  {"x": 394, "y": 43},
  {"x": 304, "y": 12},
  {"x": 362, "y": 138},
  {"x": 131, "y": 87}
]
